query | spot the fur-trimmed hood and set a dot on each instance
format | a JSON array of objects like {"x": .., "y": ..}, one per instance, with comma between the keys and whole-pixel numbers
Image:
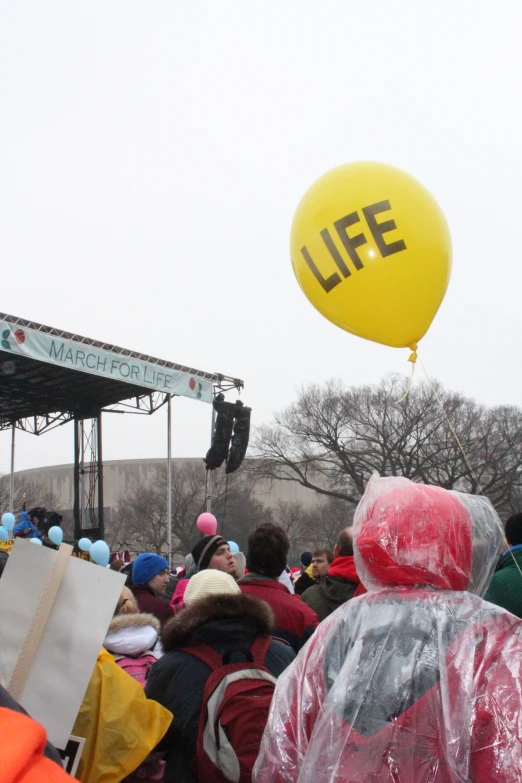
[
  {"x": 133, "y": 621},
  {"x": 252, "y": 611},
  {"x": 133, "y": 635}
]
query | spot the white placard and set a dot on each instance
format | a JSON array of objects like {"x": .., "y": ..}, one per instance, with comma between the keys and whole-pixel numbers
[{"x": 72, "y": 638}]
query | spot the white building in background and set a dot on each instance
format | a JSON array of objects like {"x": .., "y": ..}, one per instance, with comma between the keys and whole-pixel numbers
[{"x": 120, "y": 476}]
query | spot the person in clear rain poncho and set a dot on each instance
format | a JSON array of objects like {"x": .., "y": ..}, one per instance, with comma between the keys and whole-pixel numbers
[{"x": 419, "y": 680}]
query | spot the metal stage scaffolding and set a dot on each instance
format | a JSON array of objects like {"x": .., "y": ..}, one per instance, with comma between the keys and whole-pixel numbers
[{"x": 49, "y": 377}]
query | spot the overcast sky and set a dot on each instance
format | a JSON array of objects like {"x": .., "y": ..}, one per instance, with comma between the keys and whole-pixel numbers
[{"x": 153, "y": 153}]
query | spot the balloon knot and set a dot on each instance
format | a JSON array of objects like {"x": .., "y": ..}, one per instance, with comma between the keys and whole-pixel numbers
[{"x": 413, "y": 356}]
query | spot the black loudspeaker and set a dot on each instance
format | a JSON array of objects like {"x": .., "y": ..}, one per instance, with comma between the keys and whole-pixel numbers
[
  {"x": 217, "y": 453},
  {"x": 239, "y": 446}
]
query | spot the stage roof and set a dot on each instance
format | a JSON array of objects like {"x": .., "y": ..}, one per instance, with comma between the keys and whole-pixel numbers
[{"x": 46, "y": 371}]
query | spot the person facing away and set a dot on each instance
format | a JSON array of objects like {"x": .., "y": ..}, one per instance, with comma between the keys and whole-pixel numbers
[
  {"x": 506, "y": 586},
  {"x": 419, "y": 680},
  {"x": 266, "y": 559},
  {"x": 210, "y": 552},
  {"x": 218, "y": 616},
  {"x": 339, "y": 584},
  {"x": 305, "y": 579},
  {"x": 133, "y": 637},
  {"x": 150, "y": 577}
]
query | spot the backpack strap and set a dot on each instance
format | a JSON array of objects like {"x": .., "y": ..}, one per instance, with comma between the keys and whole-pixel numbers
[
  {"x": 204, "y": 653},
  {"x": 259, "y": 648}
]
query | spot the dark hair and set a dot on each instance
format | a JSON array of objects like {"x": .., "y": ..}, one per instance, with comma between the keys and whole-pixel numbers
[
  {"x": 4, "y": 557},
  {"x": 345, "y": 542},
  {"x": 326, "y": 552},
  {"x": 267, "y": 550},
  {"x": 514, "y": 529}
]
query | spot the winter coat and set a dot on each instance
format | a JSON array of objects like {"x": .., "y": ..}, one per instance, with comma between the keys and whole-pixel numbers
[
  {"x": 334, "y": 589},
  {"x": 26, "y": 524},
  {"x": 150, "y": 603},
  {"x": 22, "y": 751},
  {"x": 7, "y": 701},
  {"x": 133, "y": 635},
  {"x": 506, "y": 586},
  {"x": 177, "y": 602},
  {"x": 295, "y": 622},
  {"x": 177, "y": 680},
  {"x": 419, "y": 680},
  {"x": 305, "y": 581}
]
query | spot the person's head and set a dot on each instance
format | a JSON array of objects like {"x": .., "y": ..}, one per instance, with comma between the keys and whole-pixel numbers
[
  {"x": 214, "y": 552},
  {"x": 513, "y": 529},
  {"x": 4, "y": 557},
  {"x": 305, "y": 561},
  {"x": 344, "y": 545},
  {"x": 126, "y": 603},
  {"x": 117, "y": 564},
  {"x": 409, "y": 534},
  {"x": 151, "y": 570},
  {"x": 321, "y": 559},
  {"x": 210, "y": 582},
  {"x": 267, "y": 550},
  {"x": 240, "y": 564},
  {"x": 37, "y": 515}
]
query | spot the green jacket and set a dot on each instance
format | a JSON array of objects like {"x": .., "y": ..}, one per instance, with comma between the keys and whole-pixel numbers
[{"x": 506, "y": 586}]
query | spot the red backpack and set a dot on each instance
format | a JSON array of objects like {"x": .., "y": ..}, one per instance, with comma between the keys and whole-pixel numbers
[
  {"x": 138, "y": 668},
  {"x": 234, "y": 712}
]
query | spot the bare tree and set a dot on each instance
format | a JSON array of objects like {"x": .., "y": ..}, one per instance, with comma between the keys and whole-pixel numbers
[
  {"x": 34, "y": 493},
  {"x": 140, "y": 521},
  {"x": 333, "y": 438}
]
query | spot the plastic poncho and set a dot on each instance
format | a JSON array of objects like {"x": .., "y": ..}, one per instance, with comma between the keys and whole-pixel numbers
[
  {"x": 121, "y": 726},
  {"x": 419, "y": 680}
]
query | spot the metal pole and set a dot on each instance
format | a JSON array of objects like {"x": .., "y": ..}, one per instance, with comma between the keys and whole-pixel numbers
[
  {"x": 169, "y": 479},
  {"x": 210, "y": 474},
  {"x": 12, "y": 484},
  {"x": 101, "y": 524},
  {"x": 76, "y": 481}
]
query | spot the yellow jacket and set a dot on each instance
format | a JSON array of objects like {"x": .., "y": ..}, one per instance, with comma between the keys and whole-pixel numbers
[{"x": 120, "y": 725}]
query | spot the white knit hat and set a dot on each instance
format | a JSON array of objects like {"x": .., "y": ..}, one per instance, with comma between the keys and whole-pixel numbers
[{"x": 210, "y": 582}]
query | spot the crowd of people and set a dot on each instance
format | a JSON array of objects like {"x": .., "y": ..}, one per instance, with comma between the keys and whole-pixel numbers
[{"x": 380, "y": 662}]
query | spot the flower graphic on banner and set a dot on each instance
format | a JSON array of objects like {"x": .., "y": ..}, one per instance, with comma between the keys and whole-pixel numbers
[
  {"x": 19, "y": 336},
  {"x": 192, "y": 383}
]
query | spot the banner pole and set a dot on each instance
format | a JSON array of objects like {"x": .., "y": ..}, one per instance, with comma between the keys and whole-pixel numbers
[
  {"x": 169, "y": 479},
  {"x": 11, "y": 483}
]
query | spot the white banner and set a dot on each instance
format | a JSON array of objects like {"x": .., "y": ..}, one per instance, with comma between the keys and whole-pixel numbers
[{"x": 107, "y": 364}]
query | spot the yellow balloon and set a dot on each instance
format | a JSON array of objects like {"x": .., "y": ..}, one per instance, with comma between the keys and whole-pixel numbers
[{"x": 371, "y": 250}]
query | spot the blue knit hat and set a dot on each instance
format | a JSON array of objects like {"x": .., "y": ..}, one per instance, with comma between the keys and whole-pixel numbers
[{"x": 146, "y": 567}]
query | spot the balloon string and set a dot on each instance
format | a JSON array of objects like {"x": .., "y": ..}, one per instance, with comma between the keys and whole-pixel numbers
[
  {"x": 452, "y": 428},
  {"x": 454, "y": 432},
  {"x": 409, "y": 385}
]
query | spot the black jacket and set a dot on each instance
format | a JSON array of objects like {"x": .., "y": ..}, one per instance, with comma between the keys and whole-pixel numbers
[
  {"x": 178, "y": 680},
  {"x": 328, "y": 595},
  {"x": 303, "y": 583}
]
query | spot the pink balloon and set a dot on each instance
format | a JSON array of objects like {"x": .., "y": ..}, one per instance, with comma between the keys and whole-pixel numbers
[{"x": 207, "y": 524}]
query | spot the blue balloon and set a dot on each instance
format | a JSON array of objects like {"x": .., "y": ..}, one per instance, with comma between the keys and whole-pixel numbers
[
  {"x": 8, "y": 521},
  {"x": 233, "y": 547},
  {"x": 56, "y": 535},
  {"x": 35, "y": 541},
  {"x": 100, "y": 553},
  {"x": 85, "y": 544},
  {"x": 3, "y": 534}
]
